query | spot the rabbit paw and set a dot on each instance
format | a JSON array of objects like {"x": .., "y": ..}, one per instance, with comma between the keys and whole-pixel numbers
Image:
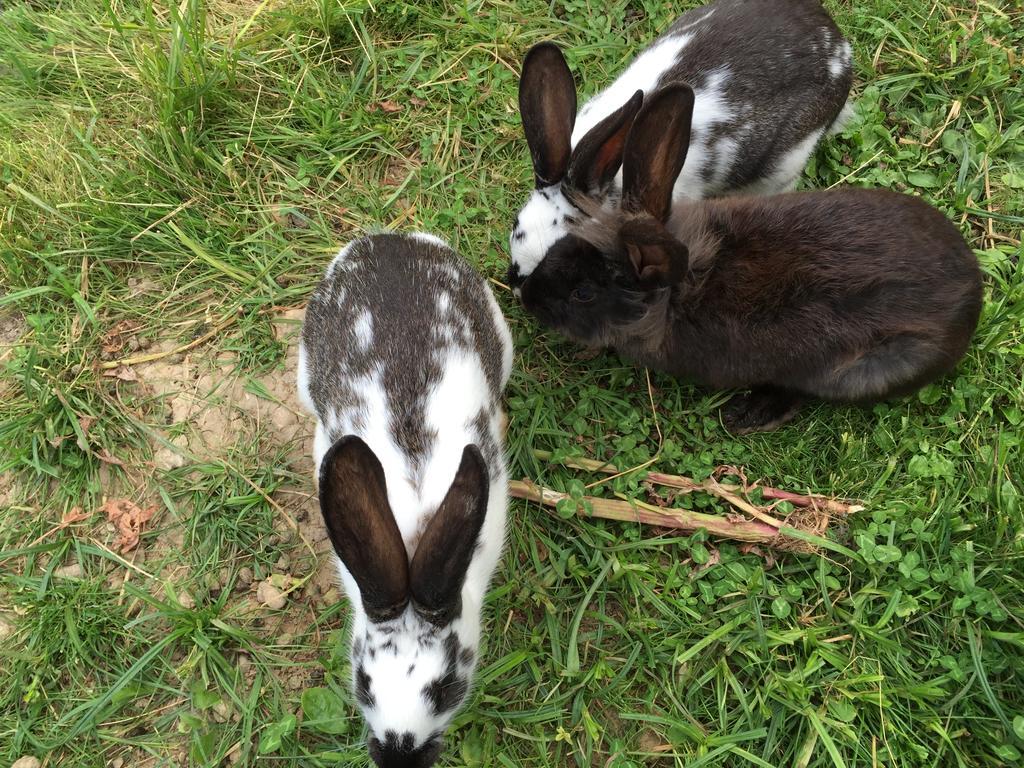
[{"x": 759, "y": 410}]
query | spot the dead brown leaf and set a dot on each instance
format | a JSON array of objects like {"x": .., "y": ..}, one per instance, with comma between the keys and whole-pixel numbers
[
  {"x": 416, "y": 101},
  {"x": 389, "y": 106},
  {"x": 122, "y": 372},
  {"x": 129, "y": 519},
  {"x": 117, "y": 336},
  {"x": 104, "y": 455}
]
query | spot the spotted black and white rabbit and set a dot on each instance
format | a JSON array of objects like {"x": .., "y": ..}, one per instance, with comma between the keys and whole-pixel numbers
[
  {"x": 771, "y": 78},
  {"x": 403, "y": 359},
  {"x": 845, "y": 295}
]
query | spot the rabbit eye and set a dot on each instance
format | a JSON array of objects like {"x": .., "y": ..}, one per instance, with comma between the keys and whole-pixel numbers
[{"x": 583, "y": 294}]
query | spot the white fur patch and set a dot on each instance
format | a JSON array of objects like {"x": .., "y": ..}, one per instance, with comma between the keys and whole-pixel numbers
[
  {"x": 710, "y": 109},
  {"x": 787, "y": 170},
  {"x": 699, "y": 18},
  {"x": 427, "y": 237},
  {"x": 338, "y": 262},
  {"x": 397, "y": 677},
  {"x": 643, "y": 74},
  {"x": 302, "y": 380},
  {"x": 725, "y": 154},
  {"x": 839, "y": 62},
  {"x": 845, "y": 115},
  {"x": 363, "y": 330},
  {"x": 541, "y": 224}
]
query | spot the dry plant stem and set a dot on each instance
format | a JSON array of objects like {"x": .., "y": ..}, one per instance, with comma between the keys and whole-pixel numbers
[
  {"x": 590, "y": 465},
  {"x": 639, "y": 512},
  {"x": 712, "y": 486},
  {"x": 688, "y": 485},
  {"x": 725, "y": 491},
  {"x": 832, "y": 506},
  {"x": 183, "y": 348}
]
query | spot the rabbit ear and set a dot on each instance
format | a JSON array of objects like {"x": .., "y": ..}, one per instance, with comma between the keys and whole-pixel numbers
[
  {"x": 442, "y": 557},
  {"x": 656, "y": 150},
  {"x": 598, "y": 156},
  {"x": 354, "y": 503},
  {"x": 547, "y": 105},
  {"x": 657, "y": 256}
]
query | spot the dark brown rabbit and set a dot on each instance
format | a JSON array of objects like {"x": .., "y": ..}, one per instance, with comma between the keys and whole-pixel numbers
[{"x": 850, "y": 295}]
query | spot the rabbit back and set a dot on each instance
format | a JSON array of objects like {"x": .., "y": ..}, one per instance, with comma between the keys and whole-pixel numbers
[
  {"x": 405, "y": 346},
  {"x": 771, "y": 77},
  {"x": 847, "y": 295}
]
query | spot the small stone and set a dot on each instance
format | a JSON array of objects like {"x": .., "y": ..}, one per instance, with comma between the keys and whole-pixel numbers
[
  {"x": 330, "y": 597},
  {"x": 117, "y": 762},
  {"x": 167, "y": 457},
  {"x": 26, "y": 762},
  {"x": 235, "y": 754},
  {"x": 283, "y": 562},
  {"x": 186, "y": 600},
  {"x": 69, "y": 571},
  {"x": 222, "y": 711},
  {"x": 326, "y": 576},
  {"x": 6, "y": 628},
  {"x": 270, "y": 596},
  {"x": 176, "y": 358},
  {"x": 145, "y": 342},
  {"x": 133, "y": 344},
  {"x": 244, "y": 662},
  {"x": 244, "y": 577}
]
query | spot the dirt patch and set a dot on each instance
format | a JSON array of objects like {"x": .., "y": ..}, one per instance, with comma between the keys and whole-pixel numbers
[
  {"x": 208, "y": 405},
  {"x": 205, "y": 406},
  {"x": 12, "y": 327}
]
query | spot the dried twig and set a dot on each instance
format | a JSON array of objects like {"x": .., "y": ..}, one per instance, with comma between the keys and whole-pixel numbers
[
  {"x": 812, "y": 516},
  {"x": 677, "y": 519},
  {"x": 150, "y": 357}
]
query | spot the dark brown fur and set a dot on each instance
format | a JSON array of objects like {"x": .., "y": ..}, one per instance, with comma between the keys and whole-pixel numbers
[{"x": 848, "y": 295}]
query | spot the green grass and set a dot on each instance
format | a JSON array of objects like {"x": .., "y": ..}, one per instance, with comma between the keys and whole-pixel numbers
[{"x": 194, "y": 164}]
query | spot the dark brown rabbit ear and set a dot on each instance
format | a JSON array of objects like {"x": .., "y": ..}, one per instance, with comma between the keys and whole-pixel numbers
[
  {"x": 598, "y": 156},
  {"x": 659, "y": 258},
  {"x": 547, "y": 105},
  {"x": 656, "y": 150},
  {"x": 354, "y": 503},
  {"x": 446, "y": 548}
]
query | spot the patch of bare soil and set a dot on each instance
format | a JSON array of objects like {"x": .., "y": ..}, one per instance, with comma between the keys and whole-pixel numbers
[
  {"x": 208, "y": 407},
  {"x": 12, "y": 328}
]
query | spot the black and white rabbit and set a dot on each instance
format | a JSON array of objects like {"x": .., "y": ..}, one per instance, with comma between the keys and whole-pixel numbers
[
  {"x": 845, "y": 295},
  {"x": 771, "y": 78},
  {"x": 403, "y": 359}
]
